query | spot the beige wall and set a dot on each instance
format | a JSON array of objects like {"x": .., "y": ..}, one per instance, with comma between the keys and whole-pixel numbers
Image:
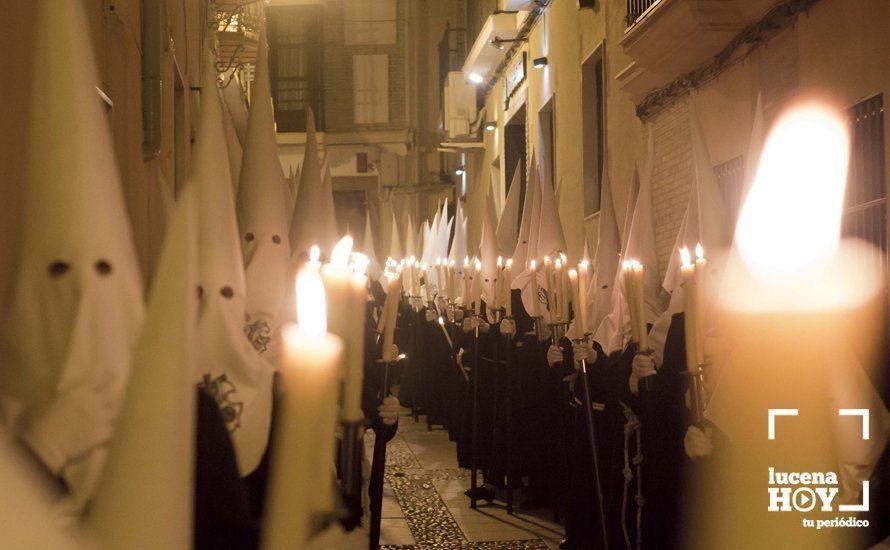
[{"x": 838, "y": 50}]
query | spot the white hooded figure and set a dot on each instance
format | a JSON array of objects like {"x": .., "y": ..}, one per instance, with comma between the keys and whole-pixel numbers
[
  {"x": 78, "y": 299},
  {"x": 489, "y": 250},
  {"x": 614, "y": 332},
  {"x": 395, "y": 243},
  {"x": 375, "y": 271},
  {"x": 458, "y": 250},
  {"x": 233, "y": 144},
  {"x": 310, "y": 221},
  {"x": 605, "y": 262},
  {"x": 527, "y": 247},
  {"x": 235, "y": 106},
  {"x": 227, "y": 368},
  {"x": 508, "y": 224},
  {"x": 144, "y": 499},
  {"x": 262, "y": 219}
]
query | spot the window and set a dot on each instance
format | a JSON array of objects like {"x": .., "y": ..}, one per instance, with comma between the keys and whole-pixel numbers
[
  {"x": 369, "y": 22},
  {"x": 370, "y": 81},
  {"x": 593, "y": 129},
  {"x": 547, "y": 154},
  {"x": 865, "y": 214},
  {"x": 295, "y": 54}
]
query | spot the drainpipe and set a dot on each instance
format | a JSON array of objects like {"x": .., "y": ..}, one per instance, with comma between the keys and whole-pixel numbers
[{"x": 151, "y": 79}]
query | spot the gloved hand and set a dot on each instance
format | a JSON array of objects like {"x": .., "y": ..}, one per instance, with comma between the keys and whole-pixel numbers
[
  {"x": 484, "y": 327},
  {"x": 554, "y": 355},
  {"x": 416, "y": 302},
  {"x": 389, "y": 410},
  {"x": 643, "y": 365},
  {"x": 583, "y": 350},
  {"x": 467, "y": 324},
  {"x": 698, "y": 443},
  {"x": 431, "y": 316},
  {"x": 458, "y": 315},
  {"x": 441, "y": 303},
  {"x": 395, "y": 351},
  {"x": 75, "y": 422},
  {"x": 508, "y": 327}
]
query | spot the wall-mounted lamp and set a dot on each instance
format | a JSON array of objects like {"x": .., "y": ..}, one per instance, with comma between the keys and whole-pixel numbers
[
  {"x": 459, "y": 171},
  {"x": 491, "y": 126},
  {"x": 475, "y": 78},
  {"x": 539, "y": 63}
]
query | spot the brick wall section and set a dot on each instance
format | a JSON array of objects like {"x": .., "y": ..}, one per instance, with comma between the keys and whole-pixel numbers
[
  {"x": 672, "y": 177},
  {"x": 338, "y": 72}
]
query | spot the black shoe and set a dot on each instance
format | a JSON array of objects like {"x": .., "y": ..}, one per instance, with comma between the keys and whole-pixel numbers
[{"x": 483, "y": 492}]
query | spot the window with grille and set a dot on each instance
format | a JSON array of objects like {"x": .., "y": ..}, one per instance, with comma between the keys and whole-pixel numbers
[
  {"x": 865, "y": 214},
  {"x": 370, "y": 82},
  {"x": 296, "y": 57}
]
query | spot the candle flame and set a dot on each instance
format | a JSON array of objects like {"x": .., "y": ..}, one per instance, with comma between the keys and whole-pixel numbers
[
  {"x": 451, "y": 263},
  {"x": 314, "y": 253},
  {"x": 311, "y": 308},
  {"x": 533, "y": 265},
  {"x": 583, "y": 264},
  {"x": 791, "y": 218},
  {"x": 558, "y": 264},
  {"x": 699, "y": 251},
  {"x": 685, "y": 256},
  {"x": 573, "y": 274},
  {"x": 438, "y": 261},
  {"x": 442, "y": 321},
  {"x": 478, "y": 264},
  {"x": 509, "y": 263},
  {"x": 466, "y": 261},
  {"x": 500, "y": 261},
  {"x": 340, "y": 254}
]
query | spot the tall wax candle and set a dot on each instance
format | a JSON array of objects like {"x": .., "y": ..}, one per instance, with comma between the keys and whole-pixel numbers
[
  {"x": 508, "y": 284},
  {"x": 345, "y": 293},
  {"x": 391, "y": 313},
  {"x": 583, "y": 281},
  {"x": 687, "y": 272},
  {"x": 701, "y": 289},
  {"x": 533, "y": 270},
  {"x": 301, "y": 469}
]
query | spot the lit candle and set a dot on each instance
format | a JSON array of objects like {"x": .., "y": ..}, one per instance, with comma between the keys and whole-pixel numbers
[
  {"x": 314, "y": 255},
  {"x": 630, "y": 295},
  {"x": 701, "y": 290},
  {"x": 564, "y": 288},
  {"x": 508, "y": 284},
  {"x": 390, "y": 315},
  {"x": 300, "y": 485},
  {"x": 533, "y": 269},
  {"x": 440, "y": 274},
  {"x": 799, "y": 310},
  {"x": 497, "y": 283},
  {"x": 690, "y": 325},
  {"x": 583, "y": 282},
  {"x": 576, "y": 300},
  {"x": 477, "y": 285},
  {"x": 345, "y": 292},
  {"x": 452, "y": 287}
]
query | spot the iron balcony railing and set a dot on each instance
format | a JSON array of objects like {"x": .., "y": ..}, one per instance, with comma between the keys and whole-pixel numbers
[{"x": 636, "y": 8}]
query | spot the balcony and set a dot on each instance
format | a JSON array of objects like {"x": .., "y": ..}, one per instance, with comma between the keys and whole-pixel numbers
[
  {"x": 237, "y": 32},
  {"x": 668, "y": 38}
]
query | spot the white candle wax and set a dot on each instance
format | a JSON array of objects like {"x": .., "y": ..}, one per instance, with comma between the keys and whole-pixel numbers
[{"x": 301, "y": 475}]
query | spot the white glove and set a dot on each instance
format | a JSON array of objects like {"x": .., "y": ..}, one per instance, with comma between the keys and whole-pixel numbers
[
  {"x": 458, "y": 315},
  {"x": 698, "y": 443},
  {"x": 508, "y": 327},
  {"x": 389, "y": 410},
  {"x": 467, "y": 324},
  {"x": 483, "y": 326},
  {"x": 643, "y": 365},
  {"x": 395, "y": 351},
  {"x": 554, "y": 355},
  {"x": 416, "y": 302},
  {"x": 583, "y": 351},
  {"x": 431, "y": 316},
  {"x": 74, "y": 423}
]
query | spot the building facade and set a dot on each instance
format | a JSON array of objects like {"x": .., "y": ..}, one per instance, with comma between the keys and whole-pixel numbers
[{"x": 586, "y": 82}]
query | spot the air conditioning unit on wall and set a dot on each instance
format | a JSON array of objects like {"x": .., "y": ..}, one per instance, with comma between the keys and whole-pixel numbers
[{"x": 459, "y": 105}]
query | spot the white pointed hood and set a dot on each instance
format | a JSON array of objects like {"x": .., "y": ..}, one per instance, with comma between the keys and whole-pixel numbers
[
  {"x": 444, "y": 233},
  {"x": 755, "y": 148},
  {"x": 520, "y": 253},
  {"x": 606, "y": 260},
  {"x": 311, "y": 220},
  {"x": 233, "y": 97},
  {"x": 551, "y": 240},
  {"x": 375, "y": 270},
  {"x": 410, "y": 238},
  {"x": 488, "y": 249},
  {"x": 713, "y": 220},
  {"x": 528, "y": 251},
  {"x": 262, "y": 217},
  {"x": 233, "y": 144},
  {"x": 144, "y": 499},
  {"x": 395, "y": 244},
  {"x": 228, "y": 365},
  {"x": 77, "y": 301},
  {"x": 508, "y": 225}
]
